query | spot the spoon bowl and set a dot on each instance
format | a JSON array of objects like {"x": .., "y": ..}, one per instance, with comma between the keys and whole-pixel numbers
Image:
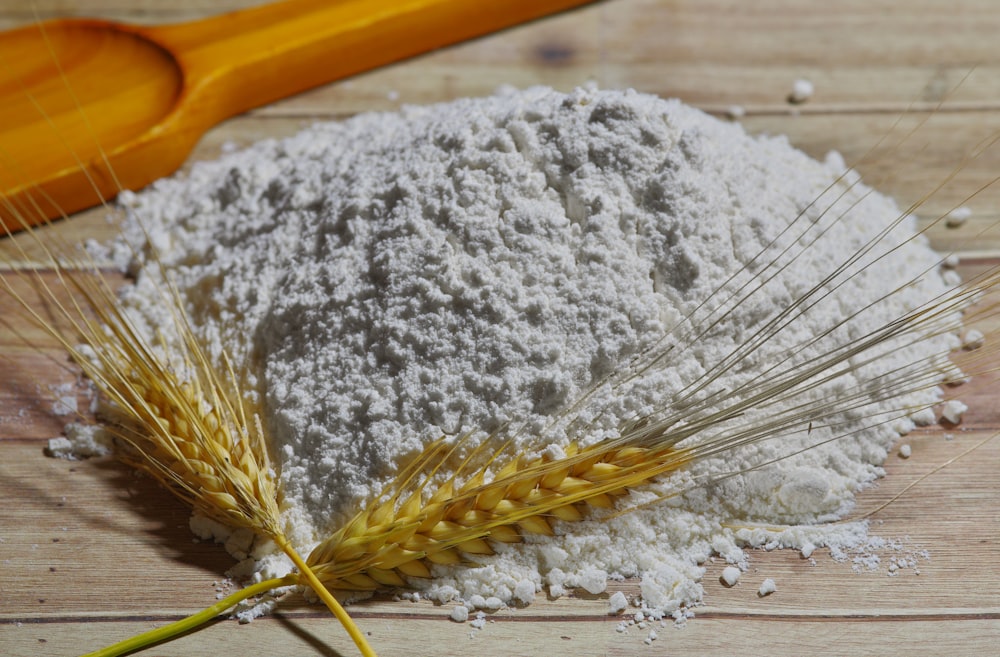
[{"x": 91, "y": 107}]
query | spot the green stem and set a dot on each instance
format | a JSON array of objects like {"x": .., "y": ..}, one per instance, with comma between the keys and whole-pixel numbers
[
  {"x": 331, "y": 602},
  {"x": 177, "y": 628}
]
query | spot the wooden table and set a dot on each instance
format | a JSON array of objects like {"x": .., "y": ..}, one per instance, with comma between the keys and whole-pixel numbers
[{"x": 91, "y": 553}]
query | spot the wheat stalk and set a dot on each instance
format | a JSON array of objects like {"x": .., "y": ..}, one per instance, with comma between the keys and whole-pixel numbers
[
  {"x": 185, "y": 425},
  {"x": 416, "y": 523}
]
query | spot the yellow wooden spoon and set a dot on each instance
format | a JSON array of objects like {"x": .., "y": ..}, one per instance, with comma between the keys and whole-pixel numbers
[{"x": 92, "y": 105}]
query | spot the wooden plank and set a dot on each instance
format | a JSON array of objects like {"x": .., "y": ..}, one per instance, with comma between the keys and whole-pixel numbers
[
  {"x": 875, "y": 54},
  {"x": 708, "y": 637},
  {"x": 78, "y": 536}
]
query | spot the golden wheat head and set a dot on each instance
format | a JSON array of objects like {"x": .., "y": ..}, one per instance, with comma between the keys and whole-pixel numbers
[{"x": 181, "y": 421}]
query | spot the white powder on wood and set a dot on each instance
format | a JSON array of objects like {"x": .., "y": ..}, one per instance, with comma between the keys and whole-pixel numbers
[
  {"x": 802, "y": 90},
  {"x": 81, "y": 441},
  {"x": 479, "y": 265},
  {"x": 952, "y": 411},
  {"x": 973, "y": 339},
  {"x": 957, "y": 217},
  {"x": 617, "y": 603},
  {"x": 66, "y": 400},
  {"x": 730, "y": 575}
]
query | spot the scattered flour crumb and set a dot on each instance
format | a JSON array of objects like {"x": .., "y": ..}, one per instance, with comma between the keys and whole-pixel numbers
[
  {"x": 617, "y": 603},
  {"x": 443, "y": 594},
  {"x": 802, "y": 90},
  {"x": 460, "y": 614},
  {"x": 65, "y": 405},
  {"x": 973, "y": 339},
  {"x": 767, "y": 587},
  {"x": 524, "y": 592},
  {"x": 874, "y": 553},
  {"x": 65, "y": 402},
  {"x": 924, "y": 417},
  {"x": 556, "y": 578},
  {"x": 594, "y": 581},
  {"x": 250, "y": 613},
  {"x": 905, "y": 451},
  {"x": 730, "y": 575},
  {"x": 736, "y": 112},
  {"x": 81, "y": 441},
  {"x": 957, "y": 217},
  {"x": 480, "y": 621},
  {"x": 952, "y": 411}
]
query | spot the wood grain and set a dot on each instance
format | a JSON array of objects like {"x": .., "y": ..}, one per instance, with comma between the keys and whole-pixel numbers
[{"x": 90, "y": 552}]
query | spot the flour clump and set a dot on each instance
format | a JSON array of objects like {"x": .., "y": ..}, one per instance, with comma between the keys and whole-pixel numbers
[{"x": 481, "y": 266}]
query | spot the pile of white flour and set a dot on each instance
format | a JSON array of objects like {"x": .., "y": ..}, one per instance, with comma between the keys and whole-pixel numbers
[{"x": 480, "y": 265}]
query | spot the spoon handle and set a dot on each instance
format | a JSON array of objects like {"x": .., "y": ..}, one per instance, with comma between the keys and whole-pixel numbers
[{"x": 252, "y": 57}]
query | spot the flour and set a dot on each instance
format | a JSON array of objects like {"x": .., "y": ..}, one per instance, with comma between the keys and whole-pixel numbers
[
  {"x": 479, "y": 266},
  {"x": 767, "y": 587}
]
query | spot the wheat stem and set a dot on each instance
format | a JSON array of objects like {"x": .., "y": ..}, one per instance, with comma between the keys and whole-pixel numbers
[
  {"x": 175, "y": 629},
  {"x": 188, "y": 428},
  {"x": 331, "y": 602}
]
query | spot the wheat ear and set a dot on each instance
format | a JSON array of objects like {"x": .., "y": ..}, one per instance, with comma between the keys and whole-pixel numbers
[
  {"x": 182, "y": 422},
  {"x": 418, "y": 522},
  {"x": 189, "y": 430}
]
